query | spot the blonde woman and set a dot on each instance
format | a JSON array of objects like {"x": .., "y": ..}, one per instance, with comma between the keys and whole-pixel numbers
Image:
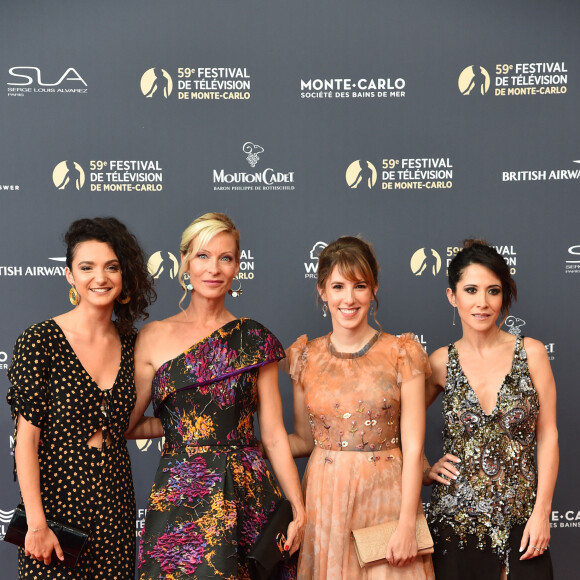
[{"x": 207, "y": 372}]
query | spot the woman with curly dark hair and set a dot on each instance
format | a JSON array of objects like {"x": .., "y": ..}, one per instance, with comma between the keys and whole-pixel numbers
[{"x": 71, "y": 396}]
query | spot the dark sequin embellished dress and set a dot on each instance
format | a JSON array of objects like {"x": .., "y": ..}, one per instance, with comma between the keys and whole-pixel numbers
[
  {"x": 213, "y": 491},
  {"x": 88, "y": 487},
  {"x": 477, "y": 521}
]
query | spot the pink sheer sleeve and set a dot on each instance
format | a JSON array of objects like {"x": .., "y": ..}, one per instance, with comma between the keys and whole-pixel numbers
[{"x": 412, "y": 359}]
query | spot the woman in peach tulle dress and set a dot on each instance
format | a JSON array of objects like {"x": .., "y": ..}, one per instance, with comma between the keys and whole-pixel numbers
[{"x": 359, "y": 408}]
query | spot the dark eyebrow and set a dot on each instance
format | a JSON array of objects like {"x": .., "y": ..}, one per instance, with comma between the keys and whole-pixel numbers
[{"x": 90, "y": 262}]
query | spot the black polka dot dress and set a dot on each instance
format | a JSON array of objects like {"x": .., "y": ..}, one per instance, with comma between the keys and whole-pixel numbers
[{"x": 89, "y": 487}]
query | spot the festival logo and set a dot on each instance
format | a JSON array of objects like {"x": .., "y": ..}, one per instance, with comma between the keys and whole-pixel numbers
[
  {"x": 68, "y": 175},
  {"x": 156, "y": 83},
  {"x": 247, "y": 264},
  {"x": 163, "y": 263},
  {"x": 361, "y": 172},
  {"x": 515, "y": 79},
  {"x": 311, "y": 268},
  {"x": 140, "y": 521},
  {"x": 27, "y": 80},
  {"x": 3, "y": 360},
  {"x": 473, "y": 80},
  {"x": 253, "y": 153},
  {"x": 145, "y": 445},
  {"x": 425, "y": 262},
  {"x": 573, "y": 261},
  {"x": 268, "y": 179},
  {"x": 507, "y": 252}
]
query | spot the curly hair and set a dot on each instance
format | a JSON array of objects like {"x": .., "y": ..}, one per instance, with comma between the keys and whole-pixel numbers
[
  {"x": 477, "y": 251},
  {"x": 137, "y": 283}
]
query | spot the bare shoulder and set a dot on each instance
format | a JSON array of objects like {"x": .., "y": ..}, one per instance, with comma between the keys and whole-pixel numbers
[
  {"x": 438, "y": 358},
  {"x": 535, "y": 350},
  {"x": 438, "y": 361},
  {"x": 155, "y": 331}
]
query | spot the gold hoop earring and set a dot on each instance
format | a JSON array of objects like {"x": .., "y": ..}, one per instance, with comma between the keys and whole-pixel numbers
[
  {"x": 125, "y": 300},
  {"x": 73, "y": 296},
  {"x": 238, "y": 291}
]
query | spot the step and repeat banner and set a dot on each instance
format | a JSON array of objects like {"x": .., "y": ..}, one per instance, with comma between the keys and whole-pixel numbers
[{"x": 414, "y": 124}]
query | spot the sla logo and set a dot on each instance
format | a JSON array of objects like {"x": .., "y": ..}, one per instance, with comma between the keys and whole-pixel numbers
[
  {"x": 156, "y": 82},
  {"x": 514, "y": 325},
  {"x": 426, "y": 261},
  {"x": 311, "y": 267},
  {"x": 473, "y": 80},
  {"x": 159, "y": 263},
  {"x": 253, "y": 152},
  {"x": 32, "y": 76},
  {"x": 68, "y": 175},
  {"x": 573, "y": 266},
  {"x": 361, "y": 172}
]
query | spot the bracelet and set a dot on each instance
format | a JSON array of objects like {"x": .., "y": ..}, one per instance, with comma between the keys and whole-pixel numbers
[{"x": 36, "y": 529}]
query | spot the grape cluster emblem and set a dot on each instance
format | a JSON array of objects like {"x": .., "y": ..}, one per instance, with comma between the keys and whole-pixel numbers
[{"x": 253, "y": 152}]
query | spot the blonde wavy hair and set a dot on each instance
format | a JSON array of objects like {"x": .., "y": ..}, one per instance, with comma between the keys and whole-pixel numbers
[{"x": 198, "y": 233}]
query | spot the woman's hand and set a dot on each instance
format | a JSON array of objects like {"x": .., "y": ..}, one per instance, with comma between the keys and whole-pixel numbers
[
  {"x": 295, "y": 532},
  {"x": 536, "y": 536},
  {"x": 39, "y": 545},
  {"x": 443, "y": 471},
  {"x": 402, "y": 547}
]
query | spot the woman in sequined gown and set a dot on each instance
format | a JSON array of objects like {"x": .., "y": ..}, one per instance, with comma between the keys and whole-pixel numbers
[
  {"x": 490, "y": 506},
  {"x": 359, "y": 414},
  {"x": 207, "y": 373},
  {"x": 72, "y": 394}
]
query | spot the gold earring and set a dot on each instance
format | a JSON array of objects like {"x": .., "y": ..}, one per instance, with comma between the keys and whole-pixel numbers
[
  {"x": 73, "y": 296},
  {"x": 125, "y": 300}
]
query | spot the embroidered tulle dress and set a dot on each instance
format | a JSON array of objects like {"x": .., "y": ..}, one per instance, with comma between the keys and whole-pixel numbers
[
  {"x": 353, "y": 477},
  {"x": 472, "y": 518},
  {"x": 212, "y": 492}
]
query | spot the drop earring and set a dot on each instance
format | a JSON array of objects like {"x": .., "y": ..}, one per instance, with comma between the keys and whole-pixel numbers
[
  {"x": 186, "y": 281},
  {"x": 125, "y": 300},
  {"x": 454, "y": 310},
  {"x": 73, "y": 296},
  {"x": 238, "y": 291},
  {"x": 324, "y": 309}
]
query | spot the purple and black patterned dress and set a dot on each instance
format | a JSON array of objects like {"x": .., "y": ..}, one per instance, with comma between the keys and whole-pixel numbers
[{"x": 212, "y": 492}]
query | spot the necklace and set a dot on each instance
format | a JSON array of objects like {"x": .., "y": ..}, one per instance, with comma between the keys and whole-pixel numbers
[{"x": 362, "y": 351}]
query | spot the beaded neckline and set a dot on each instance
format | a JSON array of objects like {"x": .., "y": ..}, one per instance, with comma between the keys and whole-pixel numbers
[{"x": 356, "y": 354}]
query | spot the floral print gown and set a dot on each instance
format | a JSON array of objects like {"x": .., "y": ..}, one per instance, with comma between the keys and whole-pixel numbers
[
  {"x": 212, "y": 492},
  {"x": 353, "y": 476}
]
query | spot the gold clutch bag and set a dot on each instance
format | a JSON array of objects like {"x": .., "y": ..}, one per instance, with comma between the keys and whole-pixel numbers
[{"x": 371, "y": 543}]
